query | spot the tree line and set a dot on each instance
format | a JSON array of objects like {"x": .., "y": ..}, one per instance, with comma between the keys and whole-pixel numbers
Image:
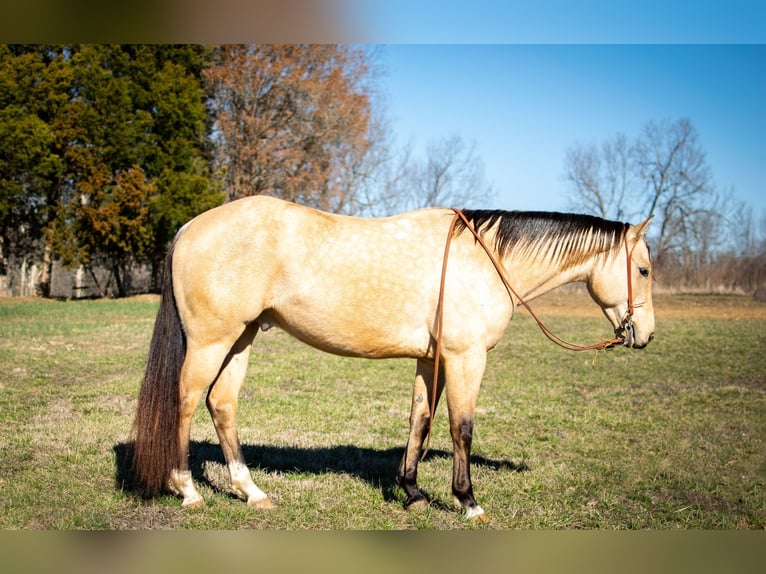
[{"x": 106, "y": 150}]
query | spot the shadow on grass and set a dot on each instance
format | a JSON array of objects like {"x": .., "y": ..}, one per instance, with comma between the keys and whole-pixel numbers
[{"x": 375, "y": 466}]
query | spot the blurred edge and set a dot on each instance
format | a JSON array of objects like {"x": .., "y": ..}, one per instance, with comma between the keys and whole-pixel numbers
[
  {"x": 572, "y": 552},
  {"x": 180, "y": 21}
]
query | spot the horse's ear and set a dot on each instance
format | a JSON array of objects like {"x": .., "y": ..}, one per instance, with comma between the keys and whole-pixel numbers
[{"x": 639, "y": 230}]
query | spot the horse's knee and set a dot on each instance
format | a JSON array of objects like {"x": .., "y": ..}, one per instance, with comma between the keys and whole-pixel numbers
[
  {"x": 466, "y": 431},
  {"x": 462, "y": 433}
]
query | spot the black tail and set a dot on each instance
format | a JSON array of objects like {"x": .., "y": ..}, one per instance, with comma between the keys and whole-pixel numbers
[{"x": 155, "y": 429}]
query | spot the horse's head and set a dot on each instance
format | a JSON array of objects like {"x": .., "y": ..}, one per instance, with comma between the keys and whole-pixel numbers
[{"x": 622, "y": 286}]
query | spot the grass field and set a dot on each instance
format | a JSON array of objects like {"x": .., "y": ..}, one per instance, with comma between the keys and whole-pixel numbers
[{"x": 673, "y": 436}]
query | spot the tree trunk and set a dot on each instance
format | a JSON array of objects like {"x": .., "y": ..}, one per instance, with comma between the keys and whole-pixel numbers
[
  {"x": 118, "y": 272},
  {"x": 44, "y": 286}
]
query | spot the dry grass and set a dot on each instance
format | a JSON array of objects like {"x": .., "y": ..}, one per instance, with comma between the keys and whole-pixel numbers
[{"x": 574, "y": 302}]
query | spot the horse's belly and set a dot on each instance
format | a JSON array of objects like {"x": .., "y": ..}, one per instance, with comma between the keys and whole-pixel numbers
[{"x": 351, "y": 335}]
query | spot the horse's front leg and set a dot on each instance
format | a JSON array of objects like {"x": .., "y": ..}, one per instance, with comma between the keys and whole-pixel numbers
[
  {"x": 464, "y": 374},
  {"x": 420, "y": 414}
]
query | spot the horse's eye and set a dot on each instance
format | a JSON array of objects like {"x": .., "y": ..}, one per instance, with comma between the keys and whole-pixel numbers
[{"x": 644, "y": 271}]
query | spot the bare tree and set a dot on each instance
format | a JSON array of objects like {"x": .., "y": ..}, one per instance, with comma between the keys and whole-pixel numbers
[
  {"x": 451, "y": 174},
  {"x": 739, "y": 226},
  {"x": 290, "y": 120},
  {"x": 676, "y": 180},
  {"x": 761, "y": 238},
  {"x": 305, "y": 123},
  {"x": 381, "y": 191},
  {"x": 601, "y": 177},
  {"x": 662, "y": 172},
  {"x": 364, "y": 184},
  {"x": 356, "y": 174}
]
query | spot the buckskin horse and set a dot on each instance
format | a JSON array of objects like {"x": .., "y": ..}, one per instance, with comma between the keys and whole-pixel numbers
[{"x": 437, "y": 285}]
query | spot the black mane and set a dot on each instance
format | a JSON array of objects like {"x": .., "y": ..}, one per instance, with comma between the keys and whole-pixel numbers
[{"x": 546, "y": 233}]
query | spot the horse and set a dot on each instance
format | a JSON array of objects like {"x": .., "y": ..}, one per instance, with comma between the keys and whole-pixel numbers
[{"x": 363, "y": 287}]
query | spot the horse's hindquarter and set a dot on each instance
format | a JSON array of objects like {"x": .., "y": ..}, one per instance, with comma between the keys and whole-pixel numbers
[{"x": 351, "y": 286}]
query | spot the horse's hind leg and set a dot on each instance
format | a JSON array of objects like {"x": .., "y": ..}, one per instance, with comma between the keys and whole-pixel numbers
[
  {"x": 420, "y": 414},
  {"x": 200, "y": 368},
  {"x": 222, "y": 401}
]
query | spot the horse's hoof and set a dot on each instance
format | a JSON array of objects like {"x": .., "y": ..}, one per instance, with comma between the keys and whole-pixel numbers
[
  {"x": 261, "y": 504},
  {"x": 194, "y": 504},
  {"x": 476, "y": 514}
]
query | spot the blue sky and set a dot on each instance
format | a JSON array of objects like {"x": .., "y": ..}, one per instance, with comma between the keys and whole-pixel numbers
[
  {"x": 524, "y": 105},
  {"x": 558, "y": 21},
  {"x": 527, "y": 80}
]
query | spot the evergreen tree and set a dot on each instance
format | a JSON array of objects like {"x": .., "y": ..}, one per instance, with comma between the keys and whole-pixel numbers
[
  {"x": 34, "y": 84},
  {"x": 104, "y": 152}
]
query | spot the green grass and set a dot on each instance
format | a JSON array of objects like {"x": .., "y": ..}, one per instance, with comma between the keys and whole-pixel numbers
[{"x": 673, "y": 436}]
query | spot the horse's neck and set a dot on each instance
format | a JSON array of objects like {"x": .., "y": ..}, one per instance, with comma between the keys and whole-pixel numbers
[{"x": 538, "y": 278}]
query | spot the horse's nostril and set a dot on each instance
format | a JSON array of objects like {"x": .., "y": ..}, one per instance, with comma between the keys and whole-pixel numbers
[{"x": 651, "y": 338}]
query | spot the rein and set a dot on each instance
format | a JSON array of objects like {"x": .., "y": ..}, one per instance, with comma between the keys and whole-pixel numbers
[{"x": 626, "y": 325}]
